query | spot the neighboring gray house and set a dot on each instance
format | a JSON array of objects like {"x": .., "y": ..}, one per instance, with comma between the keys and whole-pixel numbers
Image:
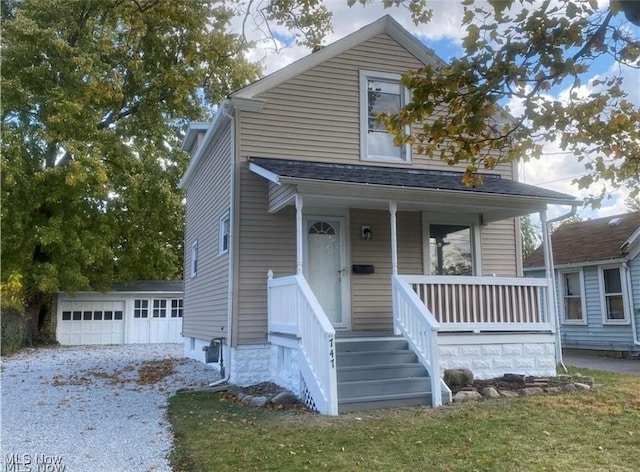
[
  {"x": 598, "y": 280},
  {"x": 352, "y": 271}
]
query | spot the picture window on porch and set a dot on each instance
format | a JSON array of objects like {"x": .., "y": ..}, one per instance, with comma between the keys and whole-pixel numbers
[
  {"x": 380, "y": 92},
  {"x": 613, "y": 295},
  {"x": 572, "y": 297},
  {"x": 450, "y": 249}
]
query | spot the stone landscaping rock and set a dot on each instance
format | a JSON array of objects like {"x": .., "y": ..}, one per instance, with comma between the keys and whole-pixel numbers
[
  {"x": 258, "y": 401},
  {"x": 553, "y": 390},
  {"x": 569, "y": 388},
  {"x": 531, "y": 391},
  {"x": 284, "y": 398},
  {"x": 240, "y": 395},
  {"x": 465, "y": 396},
  {"x": 509, "y": 393},
  {"x": 457, "y": 378},
  {"x": 490, "y": 392},
  {"x": 582, "y": 386},
  {"x": 586, "y": 379},
  {"x": 246, "y": 400}
]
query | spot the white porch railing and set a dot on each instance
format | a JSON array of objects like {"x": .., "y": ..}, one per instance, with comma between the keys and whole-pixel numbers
[
  {"x": 293, "y": 309},
  {"x": 461, "y": 303},
  {"x": 414, "y": 321}
]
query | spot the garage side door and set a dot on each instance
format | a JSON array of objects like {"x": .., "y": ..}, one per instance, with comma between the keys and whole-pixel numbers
[{"x": 94, "y": 322}]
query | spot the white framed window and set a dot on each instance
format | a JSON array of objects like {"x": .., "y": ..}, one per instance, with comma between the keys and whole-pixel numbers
[
  {"x": 572, "y": 301},
  {"x": 451, "y": 246},
  {"x": 613, "y": 295},
  {"x": 176, "y": 308},
  {"x": 224, "y": 234},
  {"x": 194, "y": 259},
  {"x": 159, "y": 308},
  {"x": 141, "y": 308},
  {"x": 380, "y": 92}
]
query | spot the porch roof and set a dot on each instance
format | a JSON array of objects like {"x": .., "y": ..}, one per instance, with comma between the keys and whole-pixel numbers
[{"x": 412, "y": 185}]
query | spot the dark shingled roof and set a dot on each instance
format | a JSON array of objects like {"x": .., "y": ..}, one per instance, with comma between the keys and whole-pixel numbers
[
  {"x": 588, "y": 241},
  {"x": 149, "y": 286},
  {"x": 401, "y": 177}
]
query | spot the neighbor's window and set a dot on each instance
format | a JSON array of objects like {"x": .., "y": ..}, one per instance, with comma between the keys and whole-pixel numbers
[
  {"x": 380, "y": 93},
  {"x": 225, "y": 231},
  {"x": 572, "y": 299},
  {"x": 194, "y": 259},
  {"x": 613, "y": 295},
  {"x": 140, "y": 308},
  {"x": 450, "y": 249}
]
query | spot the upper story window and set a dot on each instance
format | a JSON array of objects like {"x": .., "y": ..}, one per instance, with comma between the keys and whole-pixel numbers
[
  {"x": 380, "y": 92},
  {"x": 572, "y": 297},
  {"x": 225, "y": 232},
  {"x": 613, "y": 295}
]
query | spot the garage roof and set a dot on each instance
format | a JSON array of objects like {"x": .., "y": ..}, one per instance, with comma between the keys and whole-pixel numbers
[{"x": 148, "y": 286}]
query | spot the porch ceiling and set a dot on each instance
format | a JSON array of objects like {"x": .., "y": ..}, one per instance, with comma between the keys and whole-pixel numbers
[{"x": 363, "y": 186}]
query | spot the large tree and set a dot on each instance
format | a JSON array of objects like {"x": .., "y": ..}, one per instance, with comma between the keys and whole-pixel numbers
[
  {"x": 537, "y": 60},
  {"x": 95, "y": 94}
]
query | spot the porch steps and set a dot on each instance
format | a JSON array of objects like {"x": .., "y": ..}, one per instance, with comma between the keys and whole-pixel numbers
[{"x": 380, "y": 373}]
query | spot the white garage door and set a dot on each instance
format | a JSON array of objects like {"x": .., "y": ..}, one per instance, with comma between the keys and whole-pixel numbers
[
  {"x": 94, "y": 322},
  {"x": 156, "y": 321}
]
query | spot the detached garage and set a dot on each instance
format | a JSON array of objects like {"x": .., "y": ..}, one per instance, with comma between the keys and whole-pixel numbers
[{"x": 131, "y": 313}]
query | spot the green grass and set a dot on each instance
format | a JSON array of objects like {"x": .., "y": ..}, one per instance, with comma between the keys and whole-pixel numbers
[{"x": 589, "y": 431}]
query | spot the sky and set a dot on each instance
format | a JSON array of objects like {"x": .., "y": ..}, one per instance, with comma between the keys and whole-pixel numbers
[{"x": 444, "y": 34}]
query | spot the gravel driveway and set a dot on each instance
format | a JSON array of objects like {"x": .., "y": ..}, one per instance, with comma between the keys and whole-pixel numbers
[{"x": 93, "y": 408}]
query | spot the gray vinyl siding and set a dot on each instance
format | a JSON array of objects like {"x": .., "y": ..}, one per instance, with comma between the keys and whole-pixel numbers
[
  {"x": 280, "y": 195},
  {"x": 499, "y": 255},
  {"x": 316, "y": 115},
  {"x": 634, "y": 267},
  {"x": 595, "y": 335},
  {"x": 208, "y": 198},
  {"x": 266, "y": 242}
]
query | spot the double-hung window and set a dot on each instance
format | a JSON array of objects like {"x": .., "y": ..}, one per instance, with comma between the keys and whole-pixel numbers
[
  {"x": 224, "y": 234},
  {"x": 613, "y": 294},
  {"x": 380, "y": 92},
  {"x": 573, "y": 303}
]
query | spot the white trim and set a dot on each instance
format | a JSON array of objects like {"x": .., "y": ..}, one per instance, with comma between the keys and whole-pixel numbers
[
  {"x": 262, "y": 172},
  {"x": 226, "y": 217},
  {"x": 194, "y": 259},
  {"x": 577, "y": 265},
  {"x": 386, "y": 24},
  {"x": 624, "y": 294},
  {"x": 218, "y": 120},
  {"x": 364, "y": 76},
  {"x": 342, "y": 218},
  {"x": 561, "y": 293},
  {"x": 247, "y": 104},
  {"x": 430, "y": 218}
]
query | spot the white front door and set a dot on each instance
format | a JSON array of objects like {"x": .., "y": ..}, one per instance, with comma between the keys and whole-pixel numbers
[{"x": 325, "y": 266}]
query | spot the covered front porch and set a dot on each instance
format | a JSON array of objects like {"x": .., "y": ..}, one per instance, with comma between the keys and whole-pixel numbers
[{"x": 441, "y": 270}]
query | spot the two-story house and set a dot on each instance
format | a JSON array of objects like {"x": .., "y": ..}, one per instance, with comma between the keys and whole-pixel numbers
[{"x": 340, "y": 266}]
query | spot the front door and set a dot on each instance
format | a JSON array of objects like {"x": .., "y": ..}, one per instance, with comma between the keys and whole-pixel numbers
[{"x": 325, "y": 266}]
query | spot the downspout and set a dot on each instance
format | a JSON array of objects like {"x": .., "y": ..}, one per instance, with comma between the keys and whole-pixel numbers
[
  {"x": 549, "y": 265},
  {"x": 634, "y": 328},
  {"x": 232, "y": 173}
]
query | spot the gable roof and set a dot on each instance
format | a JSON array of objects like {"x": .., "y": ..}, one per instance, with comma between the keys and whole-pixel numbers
[
  {"x": 386, "y": 25},
  {"x": 401, "y": 177},
  {"x": 600, "y": 239}
]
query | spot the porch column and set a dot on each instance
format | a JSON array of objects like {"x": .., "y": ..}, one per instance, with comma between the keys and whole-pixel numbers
[
  {"x": 299, "y": 234},
  {"x": 393, "y": 207},
  {"x": 552, "y": 306}
]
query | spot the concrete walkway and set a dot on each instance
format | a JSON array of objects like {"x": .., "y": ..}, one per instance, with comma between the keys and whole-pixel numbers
[{"x": 623, "y": 366}]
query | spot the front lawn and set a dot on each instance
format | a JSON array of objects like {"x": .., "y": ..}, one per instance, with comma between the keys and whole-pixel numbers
[{"x": 590, "y": 431}]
